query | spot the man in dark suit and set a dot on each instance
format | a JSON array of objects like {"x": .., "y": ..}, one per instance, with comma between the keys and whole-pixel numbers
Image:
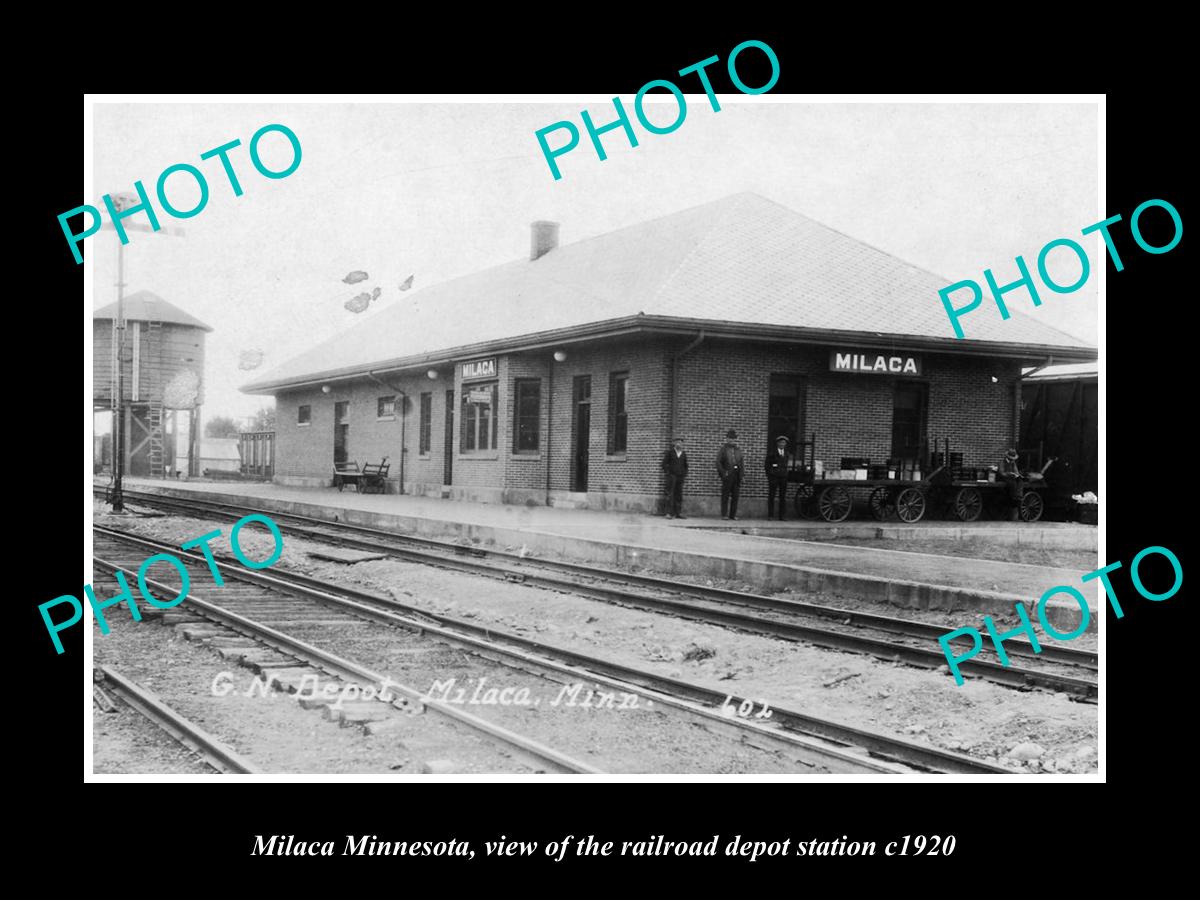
[
  {"x": 675, "y": 465},
  {"x": 729, "y": 469},
  {"x": 1010, "y": 472},
  {"x": 777, "y": 466}
]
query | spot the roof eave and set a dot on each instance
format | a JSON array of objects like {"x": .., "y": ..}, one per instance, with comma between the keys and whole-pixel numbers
[
  {"x": 573, "y": 334},
  {"x": 871, "y": 339},
  {"x": 676, "y": 325}
]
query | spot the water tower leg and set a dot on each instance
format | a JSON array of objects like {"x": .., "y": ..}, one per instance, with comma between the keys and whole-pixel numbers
[{"x": 193, "y": 442}]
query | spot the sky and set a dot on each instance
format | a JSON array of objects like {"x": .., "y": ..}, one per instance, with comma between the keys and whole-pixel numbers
[{"x": 442, "y": 189}]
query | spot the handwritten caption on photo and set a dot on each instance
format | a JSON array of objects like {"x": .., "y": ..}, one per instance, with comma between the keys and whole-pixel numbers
[
  {"x": 476, "y": 692},
  {"x": 126, "y": 596},
  {"x": 577, "y": 694}
]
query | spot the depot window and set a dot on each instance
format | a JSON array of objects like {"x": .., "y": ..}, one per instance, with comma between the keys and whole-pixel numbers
[
  {"x": 386, "y": 407},
  {"x": 304, "y": 415},
  {"x": 618, "y": 418},
  {"x": 528, "y": 413},
  {"x": 426, "y": 425},
  {"x": 479, "y": 417}
]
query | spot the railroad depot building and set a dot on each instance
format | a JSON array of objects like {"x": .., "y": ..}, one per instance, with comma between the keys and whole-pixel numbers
[{"x": 561, "y": 379}]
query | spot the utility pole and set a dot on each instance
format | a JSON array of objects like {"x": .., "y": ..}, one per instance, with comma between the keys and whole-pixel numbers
[{"x": 122, "y": 202}]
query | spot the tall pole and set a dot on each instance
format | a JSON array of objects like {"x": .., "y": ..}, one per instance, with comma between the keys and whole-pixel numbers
[
  {"x": 122, "y": 202},
  {"x": 118, "y": 496}
]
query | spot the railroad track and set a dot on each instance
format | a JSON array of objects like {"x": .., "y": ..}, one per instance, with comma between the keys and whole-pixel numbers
[
  {"x": 814, "y": 742},
  {"x": 1059, "y": 669},
  {"x": 121, "y": 552},
  {"x": 211, "y": 750}
]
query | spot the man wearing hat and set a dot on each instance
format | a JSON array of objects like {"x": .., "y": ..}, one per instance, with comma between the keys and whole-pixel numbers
[
  {"x": 675, "y": 465},
  {"x": 1011, "y": 473},
  {"x": 729, "y": 468},
  {"x": 777, "y": 471}
]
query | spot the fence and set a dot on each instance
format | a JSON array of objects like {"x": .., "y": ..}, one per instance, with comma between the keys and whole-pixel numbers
[{"x": 257, "y": 449}]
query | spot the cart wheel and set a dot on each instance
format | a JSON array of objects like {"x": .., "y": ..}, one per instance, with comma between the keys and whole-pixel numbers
[
  {"x": 882, "y": 503},
  {"x": 910, "y": 505},
  {"x": 834, "y": 504},
  {"x": 968, "y": 504},
  {"x": 806, "y": 502},
  {"x": 1031, "y": 506}
]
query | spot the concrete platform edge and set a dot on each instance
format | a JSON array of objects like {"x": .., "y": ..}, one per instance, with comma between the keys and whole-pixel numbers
[{"x": 762, "y": 576}]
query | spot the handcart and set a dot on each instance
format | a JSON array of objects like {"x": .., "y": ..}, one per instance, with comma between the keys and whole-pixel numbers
[{"x": 947, "y": 487}]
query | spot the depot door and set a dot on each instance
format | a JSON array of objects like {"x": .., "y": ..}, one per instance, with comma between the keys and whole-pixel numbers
[
  {"x": 581, "y": 431},
  {"x": 448, "y": 441},
  {"x": 341, "y": 431},
  {"x": 785, "y": 411},
  {"x": 911, "y": 401}
]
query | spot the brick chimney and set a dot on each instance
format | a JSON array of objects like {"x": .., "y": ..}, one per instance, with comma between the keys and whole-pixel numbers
[{"x": 544, "y": 238}]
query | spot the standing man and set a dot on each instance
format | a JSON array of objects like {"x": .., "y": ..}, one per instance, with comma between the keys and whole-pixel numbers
[
  {"x": 729, "y": 468},
  {"x": 1010, "y": 472},
  {"x": 777, "y": 471},
  {"x": 675, "y": 464}
]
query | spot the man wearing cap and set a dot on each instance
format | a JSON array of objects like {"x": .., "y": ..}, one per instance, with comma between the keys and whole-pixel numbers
[
  {"x": 729, "y": 468},
  {"x": 777, "y": 472},
  {"x": 1011, "y": 473},
  {"x": 675, "y": 465}
]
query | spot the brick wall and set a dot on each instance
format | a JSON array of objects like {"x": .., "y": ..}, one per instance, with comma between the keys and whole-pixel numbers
[
  {"x": 620, "y": 479},
  {"x": 720, "y": 385},
  {"x": 726, "y": 384},
  {"x": 304, "y": 453},
  {"x": 525, "y": 472}
]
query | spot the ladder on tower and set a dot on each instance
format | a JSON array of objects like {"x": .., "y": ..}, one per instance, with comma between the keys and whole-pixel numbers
[
  {"x": 155, "y": 416},
  {"x": 152, "y": 362}
]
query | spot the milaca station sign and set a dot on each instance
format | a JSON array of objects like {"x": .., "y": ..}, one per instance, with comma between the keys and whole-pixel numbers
[
  {"x": 873, "y": 363},
  {"x": 481, "y": 368}
]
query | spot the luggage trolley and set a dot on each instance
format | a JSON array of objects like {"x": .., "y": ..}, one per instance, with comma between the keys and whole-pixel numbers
[{"x": 963, "y": 493}]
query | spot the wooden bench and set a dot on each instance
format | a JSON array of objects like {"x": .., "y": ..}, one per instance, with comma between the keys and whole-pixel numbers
[
  {"x": 346, "y": 473},
  {"x": 374, "y": 477}
]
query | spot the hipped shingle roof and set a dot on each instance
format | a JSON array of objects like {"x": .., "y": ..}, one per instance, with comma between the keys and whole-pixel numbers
[{"x": 742, "y": 259}]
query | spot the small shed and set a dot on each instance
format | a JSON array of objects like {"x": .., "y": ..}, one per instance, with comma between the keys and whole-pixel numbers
[{"x": 219, "y": 455}]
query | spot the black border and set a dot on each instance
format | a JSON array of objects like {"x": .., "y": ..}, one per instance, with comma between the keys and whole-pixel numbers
[{"x": 1003, "y": 830}]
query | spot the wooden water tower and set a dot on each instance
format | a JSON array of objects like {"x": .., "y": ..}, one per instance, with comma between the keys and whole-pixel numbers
[{"x": 163, "y": 382}]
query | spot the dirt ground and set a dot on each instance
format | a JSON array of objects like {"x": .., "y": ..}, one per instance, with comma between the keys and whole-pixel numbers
[
  {"x": 270, "y": 729},
  {"x": 125, "y": 742},
  {"x": 1027, "y": 731}
]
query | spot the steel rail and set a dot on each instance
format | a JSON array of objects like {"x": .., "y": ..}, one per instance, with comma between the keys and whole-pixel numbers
[
  {"x": 215, "y": 752},
  {"x": 531, "y": 750},
  {"x": 1086, "y": 659},
  {"x": 796, "y": 727},
  {"x": 1007, "y": 676}
]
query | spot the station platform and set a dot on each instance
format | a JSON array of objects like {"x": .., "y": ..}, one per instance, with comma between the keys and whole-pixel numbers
[
  {"x": 1047, "y": 535},
  {"x": 769, "y": 559}
]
